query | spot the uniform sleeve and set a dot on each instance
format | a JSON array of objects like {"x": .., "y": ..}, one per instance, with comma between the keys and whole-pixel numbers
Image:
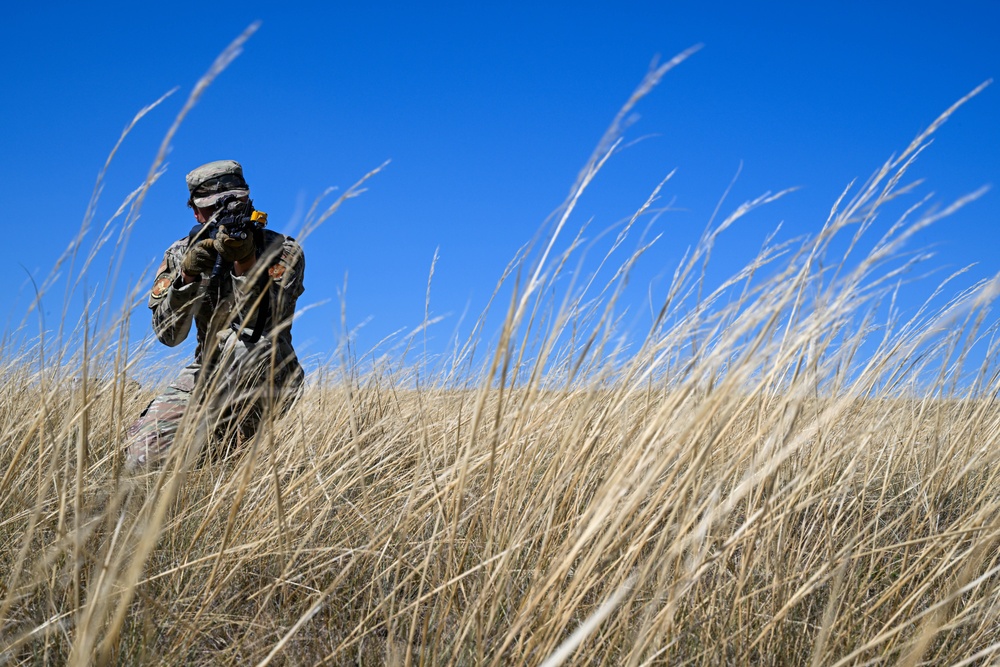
[
  {"x": 287, "y": 280},
  {"x": 283, "y": 281},
  {"x": 173, "y": 303}
]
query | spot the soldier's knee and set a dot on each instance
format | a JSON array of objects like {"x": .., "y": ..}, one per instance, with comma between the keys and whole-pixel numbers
[{"x": 148, "y": 439}]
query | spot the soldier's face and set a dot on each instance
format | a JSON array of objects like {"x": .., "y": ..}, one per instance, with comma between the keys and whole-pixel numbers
[{"x": 203, "y": 215}]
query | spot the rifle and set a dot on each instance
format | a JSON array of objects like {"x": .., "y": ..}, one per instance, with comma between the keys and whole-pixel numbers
[{"x": 241, "y": 220}]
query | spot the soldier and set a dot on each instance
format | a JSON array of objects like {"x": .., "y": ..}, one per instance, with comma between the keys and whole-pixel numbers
[{"x": 240, "y": 290}]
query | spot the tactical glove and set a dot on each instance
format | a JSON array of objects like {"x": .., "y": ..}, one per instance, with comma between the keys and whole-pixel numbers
[
  {"x": 199, "y": 258},
  {"x": 231, "y": 248}
]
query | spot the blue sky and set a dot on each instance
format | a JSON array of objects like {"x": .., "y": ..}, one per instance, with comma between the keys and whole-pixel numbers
[{"x": 487, "y": 111}]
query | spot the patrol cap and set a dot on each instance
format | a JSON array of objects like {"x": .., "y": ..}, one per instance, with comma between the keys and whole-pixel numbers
[{"x": 211, "y": 182}]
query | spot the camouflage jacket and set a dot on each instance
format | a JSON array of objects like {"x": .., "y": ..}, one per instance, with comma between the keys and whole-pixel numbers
[{"x": 232, "y": 308}]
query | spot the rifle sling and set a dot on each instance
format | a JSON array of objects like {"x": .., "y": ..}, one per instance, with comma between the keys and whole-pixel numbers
[{"x": 264, "y": 314}]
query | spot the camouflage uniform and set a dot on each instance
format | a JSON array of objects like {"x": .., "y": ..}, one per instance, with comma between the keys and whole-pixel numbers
[{"x": 236, "y": 376}]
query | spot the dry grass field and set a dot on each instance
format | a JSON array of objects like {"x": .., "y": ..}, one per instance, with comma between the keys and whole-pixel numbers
[{"x": 764, "y": 477}]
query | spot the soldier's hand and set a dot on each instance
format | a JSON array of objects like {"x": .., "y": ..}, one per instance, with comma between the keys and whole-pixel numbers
[
  {"x": 199, "y": 258},
  {"x": 231, "y": 248}
]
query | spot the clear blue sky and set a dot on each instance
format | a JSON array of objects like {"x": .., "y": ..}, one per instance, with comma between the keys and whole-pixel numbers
[{"x": 487, "y": 112}]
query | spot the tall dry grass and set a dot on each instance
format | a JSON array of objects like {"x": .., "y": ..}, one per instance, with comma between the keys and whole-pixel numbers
[{"x": 763, "y": 477}]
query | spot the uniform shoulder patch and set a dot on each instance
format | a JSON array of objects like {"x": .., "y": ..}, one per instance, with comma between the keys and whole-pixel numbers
[
  {"x": 161, "y": 286},
  {"x": 276, "y": 271},
  {"x": 287, "y": 259}
]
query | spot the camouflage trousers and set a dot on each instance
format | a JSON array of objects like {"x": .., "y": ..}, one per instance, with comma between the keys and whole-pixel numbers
[{"x": 215, "y": 412}]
